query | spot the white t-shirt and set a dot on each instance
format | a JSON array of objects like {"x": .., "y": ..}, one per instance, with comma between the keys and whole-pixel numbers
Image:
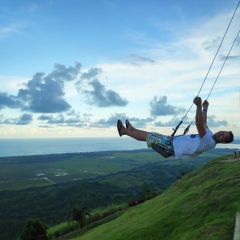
[{"x": 187, "y": 146}]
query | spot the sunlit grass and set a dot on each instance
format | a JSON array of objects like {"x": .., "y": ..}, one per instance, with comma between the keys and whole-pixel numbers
[{"x": 202, "y": 205}]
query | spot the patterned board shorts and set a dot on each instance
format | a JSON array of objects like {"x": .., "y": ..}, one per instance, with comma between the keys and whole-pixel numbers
[{"x": 162, "y": 141}]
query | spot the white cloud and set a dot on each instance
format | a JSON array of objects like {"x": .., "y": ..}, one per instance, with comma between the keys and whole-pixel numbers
[{"x": 151, "y": 67}]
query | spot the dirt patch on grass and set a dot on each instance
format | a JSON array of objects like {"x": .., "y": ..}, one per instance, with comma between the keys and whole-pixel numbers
[{"x": 233, "y": 159}]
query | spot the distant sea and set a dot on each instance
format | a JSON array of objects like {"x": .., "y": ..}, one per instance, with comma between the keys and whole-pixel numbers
[{"x": 34, "y": 146}]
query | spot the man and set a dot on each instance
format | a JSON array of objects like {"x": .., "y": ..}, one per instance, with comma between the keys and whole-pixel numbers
[{"x": 184, "y": 146}]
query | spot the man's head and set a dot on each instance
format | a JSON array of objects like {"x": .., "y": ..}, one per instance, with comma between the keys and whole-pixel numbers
[{"x": 223, "y": 137}]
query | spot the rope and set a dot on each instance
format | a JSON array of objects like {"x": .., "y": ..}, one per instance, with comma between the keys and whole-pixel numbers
[
  {"x": 223, "y": 64},
  {"x": 221, "y": 67},
  {"x": 186, "y": 130},
  {"x": 219, "y": 47},
  {"x": 215, "y": 58}
]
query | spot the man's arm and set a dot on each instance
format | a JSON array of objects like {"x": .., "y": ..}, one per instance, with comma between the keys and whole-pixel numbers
[
  {"x": 204, "y": 112},
  {"x": 199, "y": 117}
]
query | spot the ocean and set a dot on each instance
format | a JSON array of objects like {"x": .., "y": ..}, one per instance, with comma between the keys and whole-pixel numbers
[
  {"x": 38, "y": 146},
  {"x": 34, "y": 146}
]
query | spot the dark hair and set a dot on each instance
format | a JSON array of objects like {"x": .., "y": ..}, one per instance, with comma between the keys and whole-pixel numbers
[{"x": 230, "y": 139}]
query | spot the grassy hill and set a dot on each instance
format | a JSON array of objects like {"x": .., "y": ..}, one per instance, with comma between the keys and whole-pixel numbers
[{"x": 201, "y": 205}]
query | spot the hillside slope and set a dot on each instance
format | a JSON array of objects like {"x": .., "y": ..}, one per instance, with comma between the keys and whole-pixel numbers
[{"x": 202, "y": 205}]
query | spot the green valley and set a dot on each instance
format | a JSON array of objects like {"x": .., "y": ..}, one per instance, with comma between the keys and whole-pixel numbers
[{"x": 49, "y": 186}]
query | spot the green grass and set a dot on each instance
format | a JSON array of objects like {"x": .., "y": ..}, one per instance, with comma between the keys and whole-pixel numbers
[
  {"x": 67, "y": 230},
  {"x": 61, "y": 229},
  {"x": 202, "y": 205}
]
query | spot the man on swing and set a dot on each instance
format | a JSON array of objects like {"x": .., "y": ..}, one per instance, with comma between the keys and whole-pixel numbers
[{"x": 184, "y": 146}]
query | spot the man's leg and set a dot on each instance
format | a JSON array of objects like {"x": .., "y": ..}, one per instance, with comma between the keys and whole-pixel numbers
[{"x": 132, "y": 132}]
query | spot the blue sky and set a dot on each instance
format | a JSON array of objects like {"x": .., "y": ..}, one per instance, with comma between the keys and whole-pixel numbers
[{"x": 71, "y": 68}]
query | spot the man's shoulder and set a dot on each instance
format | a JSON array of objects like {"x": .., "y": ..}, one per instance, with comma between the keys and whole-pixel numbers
[
  {"x": 209, "y": 131},
  {"x": 208, "y": 138}
]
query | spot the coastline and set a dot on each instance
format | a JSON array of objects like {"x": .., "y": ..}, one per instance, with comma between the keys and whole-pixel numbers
[{"x": 30, "y": 147}]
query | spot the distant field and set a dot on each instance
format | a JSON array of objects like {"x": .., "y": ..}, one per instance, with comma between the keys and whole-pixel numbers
[
  {"x": 43, "y": 170},
  {"x": 23, "y": 172}
]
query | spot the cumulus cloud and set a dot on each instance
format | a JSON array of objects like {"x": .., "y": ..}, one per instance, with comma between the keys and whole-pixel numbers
[
  {"x": 63, "y": 73},
  {"x": 9, "y": 101},
  {"x": 140, "y": 122},
  {"x": 108, "y": 122},
  {"x": 96, "y": 93},
  {"x": 211, "y": 122},
  {"x": 112, "y": 121},
  {"x": 159, "y": 107},
  {"x": 172, "y": 123},
  {"x": 45, "y": 94},
  {"x": 91, "y": 73},
  {"x": 102, "y": 97},
  {"x": 72, "y": 119},
  {"x": 24, "y": 119}
]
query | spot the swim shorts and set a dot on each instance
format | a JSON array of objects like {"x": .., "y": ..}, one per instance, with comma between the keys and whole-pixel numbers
[{"x": 162, "y": 141}]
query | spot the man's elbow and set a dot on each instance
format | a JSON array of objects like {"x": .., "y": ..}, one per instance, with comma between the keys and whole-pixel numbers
[{"x": 201, "y": 132}]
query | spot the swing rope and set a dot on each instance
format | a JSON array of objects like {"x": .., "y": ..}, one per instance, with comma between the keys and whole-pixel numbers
[
  {"x": 186, "y": 130},
  {"x": 221, "y": 68},
  {"x": 224, "y": 63}
]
